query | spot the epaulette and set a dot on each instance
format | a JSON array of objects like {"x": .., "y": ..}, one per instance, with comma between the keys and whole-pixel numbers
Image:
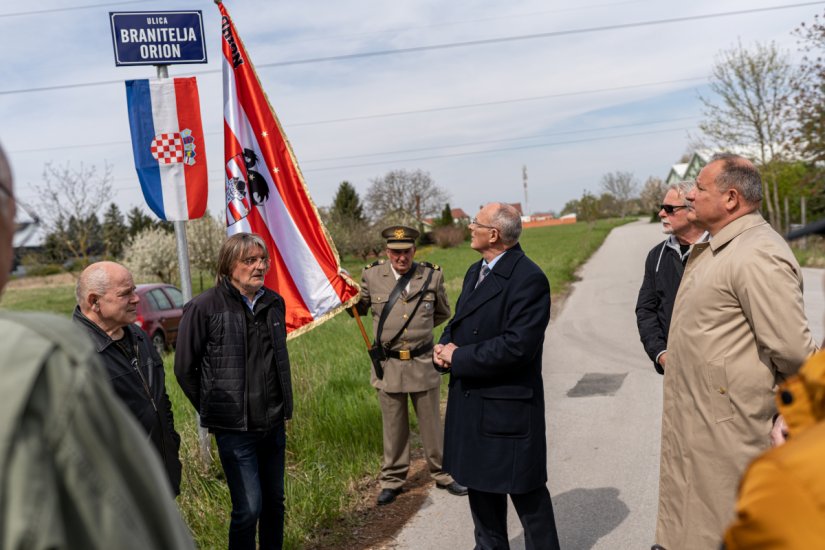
[
  {"x": 431, "y": 266},
  {"x": 375, "y": 263}
]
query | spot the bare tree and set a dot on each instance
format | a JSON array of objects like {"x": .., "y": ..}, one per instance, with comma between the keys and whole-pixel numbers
[
  {"x": 751, "y": 89},
  {"x": 623, "y": 186},
  {"x": 652, "y": 194},
  {"x": 413, "y": 192},
  {"x": 70, "y": 200}
]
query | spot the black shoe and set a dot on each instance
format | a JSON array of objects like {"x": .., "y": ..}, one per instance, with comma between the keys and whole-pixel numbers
[
  {"x": 454, "y": 488},
  {"x": 387, "y": 496}
]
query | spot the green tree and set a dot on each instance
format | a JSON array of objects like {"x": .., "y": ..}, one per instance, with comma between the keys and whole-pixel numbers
[
  {"x": 115, "y": 232},
  {"x": 137, "y": 220},
  {"x": 589, "y": 207},
  {"x": 347, "y": 203},
  {"x": 446, "y": 219}
]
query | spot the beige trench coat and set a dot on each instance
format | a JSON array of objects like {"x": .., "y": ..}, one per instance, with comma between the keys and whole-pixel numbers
[
  {"x": 377, "y": 282},
  {"x": 738, "y": 328}
]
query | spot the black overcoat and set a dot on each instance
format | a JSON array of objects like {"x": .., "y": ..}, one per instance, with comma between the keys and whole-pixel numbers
[{"x": 494, "y": 437}]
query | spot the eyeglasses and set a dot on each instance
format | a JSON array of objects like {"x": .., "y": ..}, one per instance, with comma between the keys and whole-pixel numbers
[
  {"x": 255, "y": 260},
  {"x": 475, "y": 223},
  {"x": 671, "y": 208}
]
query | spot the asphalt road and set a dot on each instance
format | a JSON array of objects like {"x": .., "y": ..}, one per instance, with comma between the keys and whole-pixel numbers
[{"x": 603, "y": 402}]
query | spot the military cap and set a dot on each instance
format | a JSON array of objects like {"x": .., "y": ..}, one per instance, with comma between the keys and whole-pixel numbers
[{"x": 400, "y": 237}]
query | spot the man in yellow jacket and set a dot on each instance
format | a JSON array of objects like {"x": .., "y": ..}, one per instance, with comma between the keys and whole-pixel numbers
[{"x": 782, "y": 494}]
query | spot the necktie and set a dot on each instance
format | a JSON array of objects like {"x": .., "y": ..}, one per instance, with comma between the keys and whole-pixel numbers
[{"x": 484, "y": 271}]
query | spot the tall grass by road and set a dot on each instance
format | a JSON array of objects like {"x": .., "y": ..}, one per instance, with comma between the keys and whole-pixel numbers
[{"x": 334, "y": 440}]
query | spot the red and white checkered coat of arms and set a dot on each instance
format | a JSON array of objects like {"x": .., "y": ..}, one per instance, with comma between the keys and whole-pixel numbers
[{"x": 173, "y": 147}]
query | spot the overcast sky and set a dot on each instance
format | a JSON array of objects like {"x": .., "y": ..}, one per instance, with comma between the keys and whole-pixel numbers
[{"x": 571, "y": 106}]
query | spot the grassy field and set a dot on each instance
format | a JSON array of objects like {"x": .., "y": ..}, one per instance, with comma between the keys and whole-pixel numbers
[{"x": 334, "y": 439}]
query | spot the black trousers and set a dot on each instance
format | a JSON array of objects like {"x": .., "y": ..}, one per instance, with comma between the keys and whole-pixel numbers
[{"x": 534, "y": 509}]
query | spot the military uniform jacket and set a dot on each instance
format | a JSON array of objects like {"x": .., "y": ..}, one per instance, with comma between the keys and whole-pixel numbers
[{"x": 377, "y": 282}]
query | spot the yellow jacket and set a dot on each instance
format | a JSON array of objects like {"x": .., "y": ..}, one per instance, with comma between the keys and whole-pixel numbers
[{"x": 782, "y": 495}]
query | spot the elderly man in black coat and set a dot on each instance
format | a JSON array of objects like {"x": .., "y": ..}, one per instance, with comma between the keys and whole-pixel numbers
[{"x": 494, "y": 439}]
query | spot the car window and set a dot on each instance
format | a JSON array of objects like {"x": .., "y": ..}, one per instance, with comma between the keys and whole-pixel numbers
[
  {"x": 176, "y": 295},
  {"x": 161, "y": 299},
  {"x": 151, "y": 301}
]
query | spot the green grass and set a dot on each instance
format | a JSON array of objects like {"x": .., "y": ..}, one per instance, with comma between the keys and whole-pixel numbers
[{"x": 334, "y": 440}]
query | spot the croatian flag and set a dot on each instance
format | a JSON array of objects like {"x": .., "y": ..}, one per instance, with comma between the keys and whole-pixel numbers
[
  {"x": 167, "y": 140},
  {"x": 266, "y": 194}
]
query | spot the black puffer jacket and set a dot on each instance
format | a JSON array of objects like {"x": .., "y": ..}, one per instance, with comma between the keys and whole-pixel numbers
[
  {"x": 664, "y": 267},
  {"x": 211, "y": 365},
  {"x": 144, "y": 392}
]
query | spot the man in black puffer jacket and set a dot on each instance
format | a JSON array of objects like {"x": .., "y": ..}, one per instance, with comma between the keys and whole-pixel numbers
[
  {"x": 106, "y": 310},
  {"x": 231, "y": 362}
]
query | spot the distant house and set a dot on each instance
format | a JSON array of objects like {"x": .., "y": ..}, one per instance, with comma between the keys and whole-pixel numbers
[
  {"x": 460, "y": 216},
  {"x": 690, "y": 169}
]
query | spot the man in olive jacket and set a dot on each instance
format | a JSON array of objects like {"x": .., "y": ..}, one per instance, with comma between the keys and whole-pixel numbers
[
  {"x": 231, "y": 362},
  {"x": 494, "y": 439},
  {"x": 75, "y": 469},
  {"x": 106, "y": 310}
]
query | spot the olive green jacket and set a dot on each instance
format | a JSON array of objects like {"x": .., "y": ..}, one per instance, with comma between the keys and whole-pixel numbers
[{"x": 75, "y": 469}]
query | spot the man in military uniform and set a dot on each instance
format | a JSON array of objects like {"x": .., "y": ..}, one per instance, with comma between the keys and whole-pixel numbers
[{"x": 407, "y": 300}]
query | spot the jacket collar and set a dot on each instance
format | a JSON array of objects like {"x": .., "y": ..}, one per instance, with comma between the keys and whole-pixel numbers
[
  {"x": 736, "y": 228},
  {"x": 100, "y": 339},
  {"x": 472, "y": 298},
  {"x": 228, "y": 288}
]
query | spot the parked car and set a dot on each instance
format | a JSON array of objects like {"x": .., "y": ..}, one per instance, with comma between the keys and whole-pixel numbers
[{"x": 159, "y": 313}]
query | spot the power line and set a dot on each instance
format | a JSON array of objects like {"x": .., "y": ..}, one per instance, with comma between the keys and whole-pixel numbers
[
  {"x": 499, "y": 150},
  {"x": 501, "y": 102},
  {"x": 433, "y": 157},
  {"x": 453, "y": 45},
  {"x": 503, "y": 140},
  {"x": 396, "y": 113},
  {"x": 71, "y": 8}
]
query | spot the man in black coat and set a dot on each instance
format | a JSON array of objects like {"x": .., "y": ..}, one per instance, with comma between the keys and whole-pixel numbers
[
  {"x": 494, "y": 439},
  {"x": 106, "y": 310},
  {"x": 664, "y": 267}
]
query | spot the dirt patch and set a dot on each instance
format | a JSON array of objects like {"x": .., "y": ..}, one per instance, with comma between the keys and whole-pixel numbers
[
  {"x": 47, "y": 281},
  {"x": 372, "y": 527}
]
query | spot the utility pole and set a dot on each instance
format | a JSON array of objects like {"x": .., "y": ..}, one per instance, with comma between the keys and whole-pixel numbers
[{"x": 524, "y": 179}]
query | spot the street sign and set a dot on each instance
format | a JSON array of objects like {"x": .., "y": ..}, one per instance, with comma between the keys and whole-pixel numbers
[{"x": 158, "y": 37}]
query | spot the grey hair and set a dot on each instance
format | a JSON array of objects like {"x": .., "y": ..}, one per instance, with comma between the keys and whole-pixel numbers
[
  {"x": 233, "y": 250},
  {"x": 739, "y": 173},
  {"x": 507, "y": 220},
  {"x": 682, "y": 188},
  {"x": 94, "y": 279}
]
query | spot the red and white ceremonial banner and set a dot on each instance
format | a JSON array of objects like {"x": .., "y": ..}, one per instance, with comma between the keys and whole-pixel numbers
[{"x": 266, "y": 194}]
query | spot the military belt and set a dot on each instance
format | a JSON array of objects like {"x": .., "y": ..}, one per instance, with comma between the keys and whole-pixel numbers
[{"x": 406, "y": 354}]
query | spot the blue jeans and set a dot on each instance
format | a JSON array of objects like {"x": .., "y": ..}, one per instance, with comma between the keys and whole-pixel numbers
[{"x": 253, "y": 463}]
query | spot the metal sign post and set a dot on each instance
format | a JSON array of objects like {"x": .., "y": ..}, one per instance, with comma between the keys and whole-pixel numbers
[{"x": 161, "y": 39}]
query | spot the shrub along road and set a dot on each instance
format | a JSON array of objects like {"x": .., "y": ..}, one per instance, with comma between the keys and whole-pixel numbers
[{"x": 603, "y": 403}]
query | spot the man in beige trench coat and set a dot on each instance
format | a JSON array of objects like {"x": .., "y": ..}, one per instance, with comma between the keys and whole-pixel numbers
[
  {"x": 738, "y": 328},
  {"x": 408, "y": 369}
]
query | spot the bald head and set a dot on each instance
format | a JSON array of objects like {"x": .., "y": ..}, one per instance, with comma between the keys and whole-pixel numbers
[
  {"x": 7, "y": 209},
  {"x": 105, "y": 293}
]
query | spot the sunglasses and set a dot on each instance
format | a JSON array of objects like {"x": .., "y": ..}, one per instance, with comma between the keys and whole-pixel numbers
[{"x": 671, "y": 208}]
